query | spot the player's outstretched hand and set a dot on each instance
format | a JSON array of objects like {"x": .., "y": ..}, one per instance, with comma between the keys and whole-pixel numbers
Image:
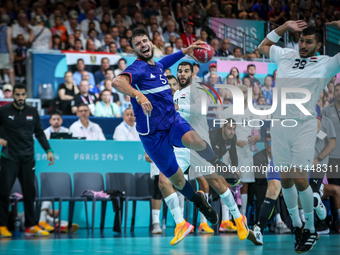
[
  {"x": 144, "y": 102},
  {"x": 190, "y": 50},
  {"x": 334, "y": 23},
  {"x": 296, "y": 26}
]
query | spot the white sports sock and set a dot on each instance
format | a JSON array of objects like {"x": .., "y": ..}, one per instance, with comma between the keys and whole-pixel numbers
[
  {"x": 307, "y": 201},
  {"x": 244, "y": 199},
  {"x": 181, "y": 201},
  {"x": 338, "y": 211},
  {"x": 43, "y": 215},
  {"x": 229, "y": 200},
  {"x": 302, "y": 214},
  {"x": 290, "y": 196},
  {"x": 225, "y": 211},
  {"x": 278, "y": 218},
  {"x": 155, "y": 216},
  {"x": 49, "y": 220},
  {"x": 172, "y": 202}
]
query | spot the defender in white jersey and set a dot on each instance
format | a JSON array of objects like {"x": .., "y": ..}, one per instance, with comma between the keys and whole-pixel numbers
[
  {"x": 303, "y": 75},
  {"x": 188, "y": 103}
]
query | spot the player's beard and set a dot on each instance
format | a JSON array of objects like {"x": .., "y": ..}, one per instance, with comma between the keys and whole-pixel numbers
[
  {"x": 140, "y": 56},
  {"x": 186, "y": 83},
  {"x": 20, "y": 104},
  {"x": 310, "y": 54}
]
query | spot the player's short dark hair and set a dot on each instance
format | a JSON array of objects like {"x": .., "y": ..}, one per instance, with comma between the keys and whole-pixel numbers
[
  {"x": 82, "y": 104},
  {"x": 139, "y": 31},
  {"x": 185, "y": 63},
  {"x": 169, "y": 77},
  {"x": 229, "y": 120},
  {"x": 312, "y": 31},
  {"x": 19, "y": 86},
  {"x": 80, "y": 59},
  {"x": 56, "y": 112}
]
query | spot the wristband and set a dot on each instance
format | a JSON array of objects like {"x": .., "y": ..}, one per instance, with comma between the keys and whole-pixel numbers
[{"x": 273, "y": 36}]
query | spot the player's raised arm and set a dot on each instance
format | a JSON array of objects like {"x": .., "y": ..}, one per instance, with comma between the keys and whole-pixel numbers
[
  {"x": 274, "y": 36},
  {"x": 122, "y": 84}
]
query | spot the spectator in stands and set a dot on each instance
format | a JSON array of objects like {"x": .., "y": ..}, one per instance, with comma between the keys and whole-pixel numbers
[
  {"x": 165, "y": 16},
  {"x": 66, "y": 93},
  {"x": 72, "y": 23},
  {"x": 113, "y": 47},
  {"x": 22, "y": 28},
  {"x": 70, "y": 44},
  {"x": 92, "y": 86},
  {"x": 77, "y": 75},
  {"x": 83, "y": 127},
  {"x": 121, "y": 66},
  {"x": 114, "y": 93},
  {"x": 150, "y": 9},
  {"x": 126, "y": 131},
  {"x": 106, "y": 108},
  {"x": 92, "y": 34},
  {"x": 106, "y": 46},
  {"x": 173, "y": 83},
  {"x": 59, "y": 29},
  {"x": 204, "y": 36},
  {"x": 212, "y": 69},
  {"x": 257, "y": 92},
  {"x": 215, "y": 44},
  {"x": 170, "y": 29},
  {"x": 109, "y": 75},
  {"x": 247, "y": 82},
  {"x": 123, "y": 42},
  {"x": 125, "y": 102},
  {"x": 158, "y": 49},
  {"x": 137, "y": 19},
  {"x": 126, "y": 20},
  {"x": 244, "y": 9},
  {"x": 261, "y": 101},
  {"x": 267, "y": 90},
  {"x": 236, "y": 73},
  {"x": 178, "y": 45},
  {"x": 251, "y": 71},
  {"x": 57, "y": 43},
  {"x": 224, "y": 50},
  {"x": 56, "y": 120},
  {"x": 230, "y": 80},
  {"x": 42, "y": 35},
  {"x": 6, "y": 51},
  {"x": 184, "y": 19},
  {"x": 188, "y": 37},
  {"x": 277, "y": 15},
  {"x": 115, "y": 35},
  {"x": 121, "y": 29},
  {"x": 100, "y": 74},
  {"x": 169, "y": 50},
  {"x": 195, "y": 78},
  {"x": 20, "y": 54},
  {"x": 78, "y": 45},
  {"x": 246, "y": 137},
  {"x": 330, "y": 92},
  {"x": 237, "y": 53},
  {"x": 294, "y": 41},
  {"x": 7, "y": 91},
  {"x": 84, "y": 96},
  {"x": 261, "y": 9},
  {"x": 84, "y": 25}
]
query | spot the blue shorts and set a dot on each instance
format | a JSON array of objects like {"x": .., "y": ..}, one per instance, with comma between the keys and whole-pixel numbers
[
  {"x": 273, "y": 174},
  {"x": 159, "y": 145}
]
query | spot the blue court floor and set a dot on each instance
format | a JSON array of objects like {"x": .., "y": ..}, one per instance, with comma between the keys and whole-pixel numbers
[{"x": 109, "y": 243}]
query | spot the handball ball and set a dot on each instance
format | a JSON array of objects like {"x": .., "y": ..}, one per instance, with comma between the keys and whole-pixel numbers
[{"x": 205, "y": 54}]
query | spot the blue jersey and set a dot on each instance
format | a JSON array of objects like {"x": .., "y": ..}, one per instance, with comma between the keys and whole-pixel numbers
[
  {"x": 151, "y": 81},
  {"x": 268, "y": 95}
]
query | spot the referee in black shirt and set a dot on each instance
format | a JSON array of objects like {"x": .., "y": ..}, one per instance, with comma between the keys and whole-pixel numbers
[{"x": 18, "y": 123}]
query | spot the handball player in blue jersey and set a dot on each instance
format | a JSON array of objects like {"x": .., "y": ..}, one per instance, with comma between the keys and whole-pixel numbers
[{"x": 159, "y": 125}]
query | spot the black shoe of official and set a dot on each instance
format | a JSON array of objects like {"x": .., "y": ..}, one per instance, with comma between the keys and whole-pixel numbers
[
  {"x": 321, "y": 227},
  {"x": 298, "y": 233},
  {"x": 222, "y": 169},
  {"x": 204, "y": 207},
  {"x": 307, "y": 241}
]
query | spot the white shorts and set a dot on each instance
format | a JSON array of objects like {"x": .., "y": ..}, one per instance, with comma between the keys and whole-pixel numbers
[
  {"x": 294, "y": 146},
  {"x": 198, "y": 166}
]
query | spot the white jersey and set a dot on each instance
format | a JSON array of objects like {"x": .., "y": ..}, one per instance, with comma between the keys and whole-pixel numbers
[
  {"x": 311, "y": 73},
  {"x": 189, "y": 107}
]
